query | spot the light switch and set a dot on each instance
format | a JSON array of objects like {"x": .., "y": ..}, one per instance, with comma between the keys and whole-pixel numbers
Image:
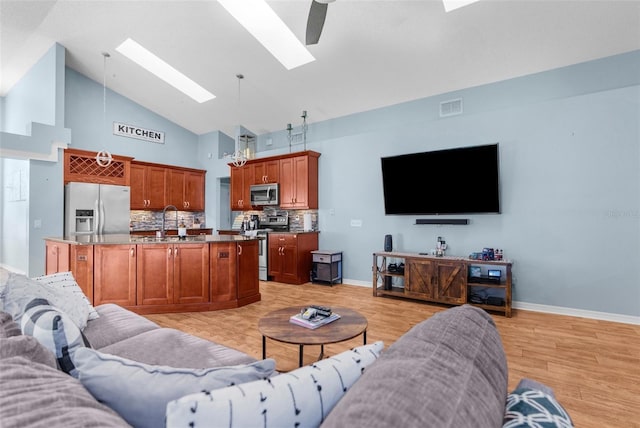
[{"x": 37, "y": 223}]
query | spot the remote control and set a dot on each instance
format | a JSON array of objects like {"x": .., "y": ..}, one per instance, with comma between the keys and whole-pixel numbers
[{"x": 321, "y": 310}]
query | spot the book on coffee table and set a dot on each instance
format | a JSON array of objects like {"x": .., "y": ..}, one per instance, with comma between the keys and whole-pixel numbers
[{"x": 314, "y": 322}]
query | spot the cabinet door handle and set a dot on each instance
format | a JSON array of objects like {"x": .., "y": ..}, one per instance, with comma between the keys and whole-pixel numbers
[
  {"x": 132, "y": 251},
  {"x": 239, "y": 249},
  {"x": 175, "y": 251},
  {"x": 169, "y": 252}
]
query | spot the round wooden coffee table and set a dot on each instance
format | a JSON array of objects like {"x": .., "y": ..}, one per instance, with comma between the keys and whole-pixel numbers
[{"x": 276, "y": 325}]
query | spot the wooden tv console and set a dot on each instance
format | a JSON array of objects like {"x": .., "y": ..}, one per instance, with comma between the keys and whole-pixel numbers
[{"x": 439, "y": 279}]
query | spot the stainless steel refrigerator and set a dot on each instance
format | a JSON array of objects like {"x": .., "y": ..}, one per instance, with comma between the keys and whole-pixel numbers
[{"x": 96, "y": 209}]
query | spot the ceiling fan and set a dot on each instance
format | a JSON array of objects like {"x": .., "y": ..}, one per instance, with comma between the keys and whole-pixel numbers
[
  {"x": 318, "y": 13},
  {"x": 315, "y": 22}
]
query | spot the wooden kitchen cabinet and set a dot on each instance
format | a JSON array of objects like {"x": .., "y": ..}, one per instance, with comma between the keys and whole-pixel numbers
[
  {"x": 266, "y": 172},
  {"x": 170, "y": 274},
  {"x": 56, "y": 257},
  {"x": 234, "y": 274},
  {"x": 78, "y": 260},
  {"x": 148, "y": 186},
  {"x": 241, "y": 180},
  {"x": 299, "y": 182},
  {"x": 290, "y": 256},
  {"x": 114, "y": 274},
  {"x": 248, "y": 284},
  {"x": 186, "y": 189}
]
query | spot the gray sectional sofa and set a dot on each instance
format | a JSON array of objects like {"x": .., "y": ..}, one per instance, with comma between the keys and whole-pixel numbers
[{"x": 449, "y": 370}]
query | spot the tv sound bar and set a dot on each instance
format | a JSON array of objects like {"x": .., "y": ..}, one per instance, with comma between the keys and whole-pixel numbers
[{"x": 442, "y": 221}]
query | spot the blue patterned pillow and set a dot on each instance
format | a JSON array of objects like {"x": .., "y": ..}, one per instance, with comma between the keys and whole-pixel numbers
[
  {"x": 302, "y": 397},
  {"x": 54, "y": 330},
  {"x": 527, "y": 408}
]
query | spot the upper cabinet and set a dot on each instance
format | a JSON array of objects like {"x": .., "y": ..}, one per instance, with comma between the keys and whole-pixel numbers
[
  {"x": 299, "y": 182},
  {"x": 186, "y": 189},
  {"x": 82, "y": 166},
  {"x": 266, "y": 172},
  {"x": 241, "y": 179},
  {"x": 148, "y": 186},
  {"x": 296, "y": 173}
]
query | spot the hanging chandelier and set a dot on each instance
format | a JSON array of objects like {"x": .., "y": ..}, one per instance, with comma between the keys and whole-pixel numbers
[
  {"x": 238, "y": 158},
  {"x": 103, "y": 157}
]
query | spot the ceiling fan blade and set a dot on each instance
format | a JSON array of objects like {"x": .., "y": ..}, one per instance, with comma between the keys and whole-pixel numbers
[{"x": 317, "y": 14}]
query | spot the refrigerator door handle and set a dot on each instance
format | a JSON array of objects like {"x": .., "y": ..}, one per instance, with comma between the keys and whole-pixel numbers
[
  {"x": 98, "y": 217},
  {"x": 101, "y": 230}
]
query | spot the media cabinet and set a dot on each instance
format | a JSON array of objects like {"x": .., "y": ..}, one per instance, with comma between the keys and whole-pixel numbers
[{"x": 439, "y": 279}]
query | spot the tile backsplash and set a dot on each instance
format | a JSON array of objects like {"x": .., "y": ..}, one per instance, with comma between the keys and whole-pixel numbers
[{"x": 152, "y": 220}]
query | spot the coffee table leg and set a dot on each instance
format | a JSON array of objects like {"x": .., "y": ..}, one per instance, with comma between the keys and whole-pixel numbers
[
  {"x": 321, "y": 352},
  {"x": 364, "y": 335},
  {"x": 300, "y": 357},
  {"x": 264, "y": 347}
]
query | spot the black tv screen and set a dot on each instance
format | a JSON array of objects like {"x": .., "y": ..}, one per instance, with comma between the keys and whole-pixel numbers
[{"x": 463, "y": 180}]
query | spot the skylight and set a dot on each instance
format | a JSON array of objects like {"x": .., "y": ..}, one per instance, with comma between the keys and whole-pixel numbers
[
  {"x": 150, "y": 62},
  {"x": 450, "y": 5},
  {"x": 257, "y": 17}
]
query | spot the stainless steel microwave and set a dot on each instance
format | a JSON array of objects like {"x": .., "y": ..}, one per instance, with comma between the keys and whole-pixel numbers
[{"x": 265, "y": 194}]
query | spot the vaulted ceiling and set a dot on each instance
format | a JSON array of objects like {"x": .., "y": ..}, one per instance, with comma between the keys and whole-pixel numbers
[{"x": 371, "y": 53}]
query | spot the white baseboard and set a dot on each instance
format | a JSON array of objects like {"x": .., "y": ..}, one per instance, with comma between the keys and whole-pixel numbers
[
  {"x": 11, "y": 269},
  {"x": 558, "y": 310},
  {"x": 582, "y": 313}
]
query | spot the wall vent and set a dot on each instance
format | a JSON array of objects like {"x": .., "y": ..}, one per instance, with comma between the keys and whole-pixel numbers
[
  {"x": 451, "y": 107},
  {"x": 296, "y": 138}
]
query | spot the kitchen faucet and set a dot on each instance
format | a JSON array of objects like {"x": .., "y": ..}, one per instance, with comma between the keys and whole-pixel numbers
[{"x": 164, "y": 213}]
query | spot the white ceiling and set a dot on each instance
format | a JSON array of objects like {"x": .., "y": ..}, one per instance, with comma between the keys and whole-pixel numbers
[{"x": 371, "y": 53}]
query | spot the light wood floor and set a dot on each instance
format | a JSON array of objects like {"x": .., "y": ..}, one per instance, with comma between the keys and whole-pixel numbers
[{"x": 593, "y": 366}]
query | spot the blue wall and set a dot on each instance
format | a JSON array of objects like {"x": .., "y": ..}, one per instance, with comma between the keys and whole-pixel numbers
[
  {"x": 570, "y": 178},
  {"x": 570, "y": 175}
]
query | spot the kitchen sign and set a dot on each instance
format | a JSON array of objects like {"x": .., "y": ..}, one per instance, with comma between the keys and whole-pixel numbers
[{"x": 125, "y": 130}]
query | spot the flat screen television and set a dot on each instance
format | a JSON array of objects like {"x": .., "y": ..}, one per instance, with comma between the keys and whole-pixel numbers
[{"x": 463, "y": 180}]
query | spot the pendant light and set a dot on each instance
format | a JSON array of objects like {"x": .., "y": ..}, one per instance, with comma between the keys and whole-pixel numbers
[
  {"x": 238, "y": 158},
  {"x": 103, "y": 157}
]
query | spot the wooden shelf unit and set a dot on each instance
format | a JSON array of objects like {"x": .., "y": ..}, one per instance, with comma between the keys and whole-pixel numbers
[{"x": 438, "y": 279}]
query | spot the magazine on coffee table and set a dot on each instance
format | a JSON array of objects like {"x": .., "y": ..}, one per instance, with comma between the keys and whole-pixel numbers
[{"x": 315, "y": 322}]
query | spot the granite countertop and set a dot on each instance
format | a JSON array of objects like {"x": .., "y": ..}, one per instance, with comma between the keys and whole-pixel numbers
[
  {"x": 269, "y": 231},
  {"x": 113, "y": 239}
]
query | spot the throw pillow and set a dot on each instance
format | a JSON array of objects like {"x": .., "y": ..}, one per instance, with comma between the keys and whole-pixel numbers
[
  {"x": 528, "y": 408},
  {"x": 55, "y": 331},
  {"x": 20, "y": 290},
  {"x": 65, "y": 281},
  {"x": 302, "y": 397},
  {"x": 140, "y": 392}
]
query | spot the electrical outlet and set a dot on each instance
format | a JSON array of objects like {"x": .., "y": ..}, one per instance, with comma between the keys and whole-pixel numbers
[{"x": 37, "y": 223}]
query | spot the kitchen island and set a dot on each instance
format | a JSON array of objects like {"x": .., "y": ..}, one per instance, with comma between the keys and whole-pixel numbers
[{"x": 159, "y": 275}]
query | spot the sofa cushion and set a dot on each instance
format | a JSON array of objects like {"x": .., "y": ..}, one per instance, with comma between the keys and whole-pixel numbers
[
  {"x": 36, "y": 395},
  {"x": 140, "y": 392},
  {"x": 20, "y": 290},
  {"x": 54, "y": 330},
  {"x": 66, "y": 282},
  {"x": 27, "y": 347},
  {"x": 448, "y": 371},
  {"x": 167, "y": 347},
  {"x": 302, "y": 397},
  {"x": 8, "y": 326},
  {"x": 115, "y": 324}
]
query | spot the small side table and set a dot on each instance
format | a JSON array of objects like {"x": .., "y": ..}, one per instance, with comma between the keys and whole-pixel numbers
[{"x": 327, "y": 267}]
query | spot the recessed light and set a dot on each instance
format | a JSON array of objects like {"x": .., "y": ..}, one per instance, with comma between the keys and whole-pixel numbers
[
  {"x": 257, "y": 17},
  {"x": 150, "y": 62}
]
